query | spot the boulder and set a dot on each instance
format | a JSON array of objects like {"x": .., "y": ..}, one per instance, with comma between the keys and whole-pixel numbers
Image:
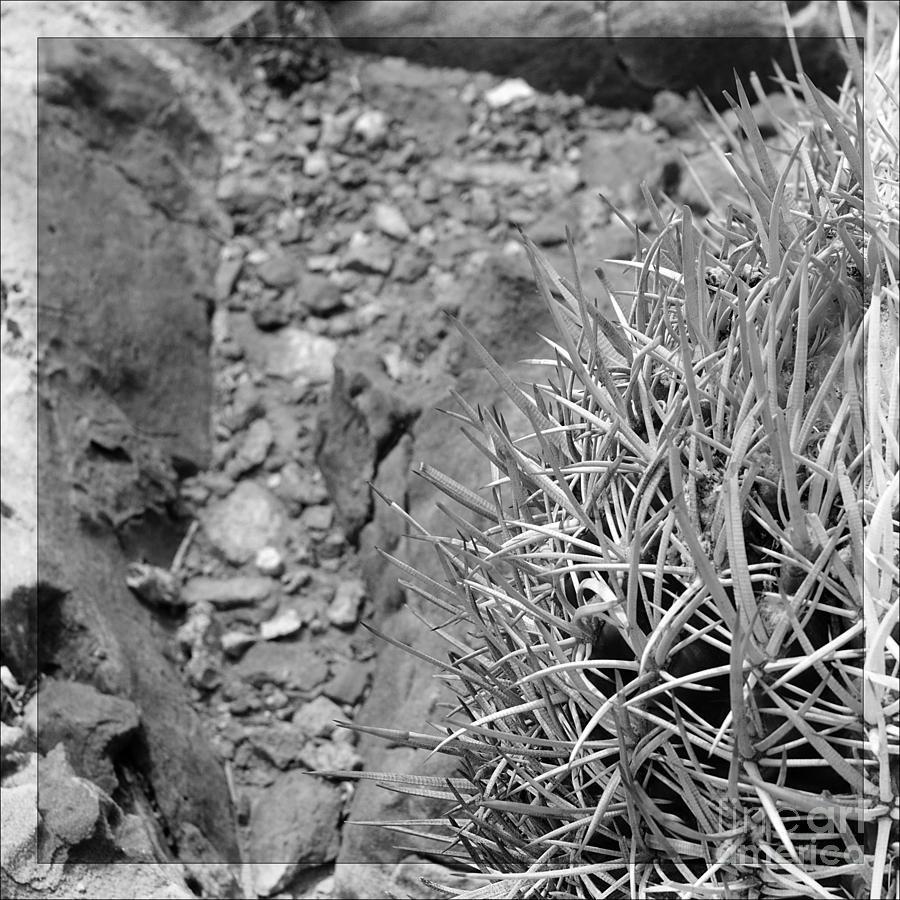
[
  {"x": 610, "y": 52},
  {"x": 249, "y": 518},
  {"x": 405, "y": 693},
  {"x": 70, "y": 839},
  {"x": 93, "y": 727},
  {"x": 121, "y": 405},
  {"x": 365, "y": 417},
  {"x": 293, "y": 823}
]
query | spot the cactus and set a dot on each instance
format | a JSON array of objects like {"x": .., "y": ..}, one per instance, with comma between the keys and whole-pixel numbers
[{"x": 684, "y": 676}]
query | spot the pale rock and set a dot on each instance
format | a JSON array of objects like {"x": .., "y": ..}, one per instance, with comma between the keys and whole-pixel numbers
[
  {"x": 315, "y": 164},
  {"x": 343, "y": 611},
  {"x": 286, "y": 622},
  {"x": 372, "y": 127},
  {"x": 254, "y": 449},
  {"x": 368, "y": 254},
  {"x": 247, "y": 520},
  {"x": 316, "y": 718},
  {"x": 235, "y": 643},
  {"x": 270, "y": 562},
  {"x": 389, "y": 220},
  {"x": 297, "y": 352},
  {"x": 513, "y": 90},
  {"x": 225, "y": 593}
]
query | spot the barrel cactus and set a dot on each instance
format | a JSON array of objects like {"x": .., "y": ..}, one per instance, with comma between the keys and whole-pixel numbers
[{"x": 683, "y": 680}]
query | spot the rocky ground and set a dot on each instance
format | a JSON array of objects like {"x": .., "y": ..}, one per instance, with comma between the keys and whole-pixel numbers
[{"x": 361, "y": 204}]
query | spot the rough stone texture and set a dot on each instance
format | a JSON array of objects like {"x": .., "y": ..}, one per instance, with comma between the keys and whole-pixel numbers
[
  {"x": 291, "y": 664},
  {"x": 228, "y": 592},
  {"x": 70, "y": 839},
  {"x": 288, "y": 353},
  {"x": 404, "y": 692},
  {"x": 599, "y": 50},
  {"x": 134, "y": 315},
  {"x": 245, "y": 521},
  {"x": 94, "y": 727},
  {"x": 365, "y": 417},
  {"x": 295, "y": 821},
  {"x": 125, "y": 389}
]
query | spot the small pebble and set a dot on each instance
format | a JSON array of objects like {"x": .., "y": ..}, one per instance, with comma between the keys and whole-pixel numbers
[
  {"x": 343, "y": 611},
  {"x": 286, "y": 622},
  {"x": 270, "y": 562}
]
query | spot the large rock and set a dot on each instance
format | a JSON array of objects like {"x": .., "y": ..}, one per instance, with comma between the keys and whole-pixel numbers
[
  {"x": 93, "y": 727},
  {"x": 294, "y": 822},
  {"x": 70, "y": 839},
  {"x": 124, "y": 245},
  {"x": 365, "y": 418},
  {"x": 124, "y": 388},
  {"x": 248, "y": 519},
  {"x": 405, "y": 694},
  {"x": 610, "y": 52}
]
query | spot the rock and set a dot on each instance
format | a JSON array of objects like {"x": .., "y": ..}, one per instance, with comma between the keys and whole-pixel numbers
[
  {"x": 316, "y": 164},
  {"x": 245, "y": 196},
  {"x": 331, "y": 756},
  {"x": 348, "y": 682},
  {"x": 94, "y": 727},
  {"x": 508, "y": 314},
  {"x": 129, "y": 169},
  {"x": 290, "y": 227},
  {"x": 279, "y": 272},
  {"x": 272, "y": 311},
  {"x": 513, "y": 90},
  {"x": 368, "y": 254},
  {"x": 287, "y": 622},
  {"x": 254, "y": 448},
  {"x": 246, "y": 405},
  {"x": 322, "y": 297},
  {"x": 70, "y": 808},
  {"x": 701, "y": 58},
  {"x": 549, "y": 230},
  {"x": 365, "y": 415},
  {"x": 247, "y": 520},
  {"x": 269, "y": 561},
  {"x": 19, "y": 849},
  {"x": 372, "y": 127},
  {"x": 316, "y": 718},
  {"x": 494, "y": 174},
  {"x": 389, "y": 220},
  {"x": 429, "y": 189},
  {"x": 290, "y": 353},
  {"x": 438, "y": 440},
  {"x": 288, "y": 664},
  {"x": 611, "y": 55},
  {"x": 411, "y": 265},
  {"x": 154, "y": 585},
  {"x": 677, "y": 114},
  {"x": 318, "y": 518},
  {"x": 617, "y": 163},
  {"x": 293, "y": 822},
  {"x": 483, "y": 212},
  {"x": 226, "y": 277},
  {"x": 280, "y": 743},
  {"x": 298, "y": 488},
  {"x": 235, "y": 643},
  {"x": 226, "y": 593},
  {"x": 14, "y": 748},
  {"x": 343, "y": 610}
]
